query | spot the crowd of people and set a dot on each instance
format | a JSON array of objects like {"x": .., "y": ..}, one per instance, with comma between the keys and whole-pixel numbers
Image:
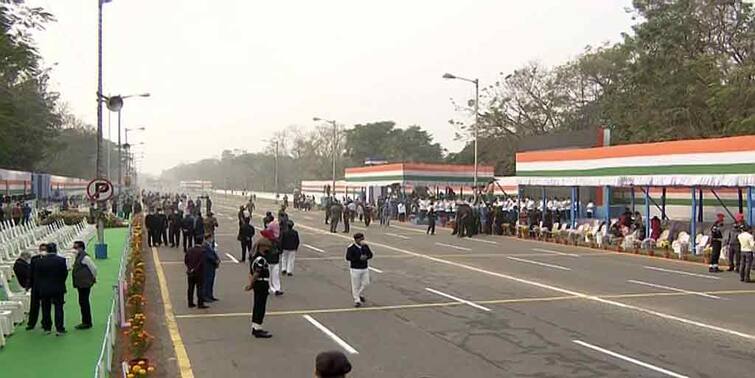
[
  {"x": 44, "y": 275},
  {"x": 18, "y": 212}
]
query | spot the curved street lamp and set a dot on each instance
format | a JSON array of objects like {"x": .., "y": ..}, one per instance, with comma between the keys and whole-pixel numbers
[{"x": 476, "y": 83}]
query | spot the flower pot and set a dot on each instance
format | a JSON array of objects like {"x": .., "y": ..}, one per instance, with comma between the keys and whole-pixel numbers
[{"x": 651, "y": 252}]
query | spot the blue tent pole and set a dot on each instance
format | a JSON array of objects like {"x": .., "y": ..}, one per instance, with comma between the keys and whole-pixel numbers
[
  {"x": 663, "y": 204},
  {"x": 750, "y": 215},
  {"x": 631, "y": 197},
  {"x": 647, "y": 211},
  {"x": 693, "y": 230},
  {"x": 544, "y": 207},
  {"x": 607, "y": 205},
  {"x": 573, "y": 206}
]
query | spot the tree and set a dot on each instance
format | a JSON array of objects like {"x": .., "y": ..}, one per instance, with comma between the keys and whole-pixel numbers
[
  {"x": 27, "y": 109},
  {"x": 383, "y": 140}
]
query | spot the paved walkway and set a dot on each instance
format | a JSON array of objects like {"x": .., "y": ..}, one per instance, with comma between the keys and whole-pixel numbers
[{"x": 34, "y": 354}]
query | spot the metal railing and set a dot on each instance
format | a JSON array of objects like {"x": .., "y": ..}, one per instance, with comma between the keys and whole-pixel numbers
[{"x": 115, "y": 317}]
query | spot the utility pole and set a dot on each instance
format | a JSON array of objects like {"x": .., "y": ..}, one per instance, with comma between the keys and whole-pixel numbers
[
  {"x": 100, "y": 170},
  {"x": 335, "y": 148},
  {"x": 276, "y": 169}
]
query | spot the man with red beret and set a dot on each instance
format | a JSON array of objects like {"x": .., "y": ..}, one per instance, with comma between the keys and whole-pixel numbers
[{"x": 716, "y": 235}]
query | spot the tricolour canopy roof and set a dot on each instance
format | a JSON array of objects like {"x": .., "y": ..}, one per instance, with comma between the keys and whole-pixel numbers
[
  {"x": 418, "y": 174},
  {"x": 719, "y": 162}
]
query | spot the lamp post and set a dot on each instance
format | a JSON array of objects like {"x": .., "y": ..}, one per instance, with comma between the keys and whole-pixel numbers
[
  {"x": 476, "y": 83},
  {"x": 276, "y": 170},
  {"x": 335, "y": 148},
  {"x": 115, "y": 104}
]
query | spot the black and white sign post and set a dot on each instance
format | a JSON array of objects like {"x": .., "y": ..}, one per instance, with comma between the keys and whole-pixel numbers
[{"x": 99, "y": 191}]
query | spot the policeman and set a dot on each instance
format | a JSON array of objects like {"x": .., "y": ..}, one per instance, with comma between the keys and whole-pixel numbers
[
  {"x": 733, "y": 242},
  {"x": 717, "y": 236},
  {"x": 259, "y": 282}
]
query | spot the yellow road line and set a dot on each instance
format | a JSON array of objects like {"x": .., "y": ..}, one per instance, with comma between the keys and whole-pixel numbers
[{"x": 184, "y": 365}]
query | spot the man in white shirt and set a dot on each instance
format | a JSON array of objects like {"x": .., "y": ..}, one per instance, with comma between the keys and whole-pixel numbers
[
  {"x": 401, "y": 212},
  {"x": 746, "y": 245}
]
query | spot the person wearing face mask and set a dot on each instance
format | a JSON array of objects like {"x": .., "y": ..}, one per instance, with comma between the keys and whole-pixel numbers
[
  {"x": 358, "y": 255},
  {"x": 84, "y": 277}
]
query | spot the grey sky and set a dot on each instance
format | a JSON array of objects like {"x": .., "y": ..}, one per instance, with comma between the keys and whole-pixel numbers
[{"x": 226, "y": 74}]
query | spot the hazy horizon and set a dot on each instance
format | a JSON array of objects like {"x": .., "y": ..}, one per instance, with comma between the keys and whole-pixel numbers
[{"x": 227, "y": 77}]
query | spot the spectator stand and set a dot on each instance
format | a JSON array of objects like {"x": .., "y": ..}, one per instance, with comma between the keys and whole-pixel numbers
[
  {"x": 670, "y": 171},
  {"x": 375, "y": 180}
]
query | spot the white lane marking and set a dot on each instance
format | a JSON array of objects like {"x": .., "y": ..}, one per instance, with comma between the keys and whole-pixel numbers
[
  {"x": 330, "y": 334},
  {"x": 673, "y": 289},
  {"x": 230, "y": 256},
  {"x": 681, "y": 272},
  {"x": 453, "y": 246},
  {"x": 376, "y": 270},
  {"x": 555, "y": 252},
  {"x": 449, "y": 296},
  {"x": 629, "y": 359},
  {"x": 557, "y": 289},
  {"x": 538, "y": 263},
  {"x": 482, "y": 240},
  {"x": 398, "y": 236},
  {"x": 407, "y": 228},
  {"x": 318, "y": 250}
]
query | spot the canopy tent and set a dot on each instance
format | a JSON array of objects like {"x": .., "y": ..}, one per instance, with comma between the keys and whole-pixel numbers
[
  {"x": 720, "y": 162},
  {"x": 419, "y": 174}
]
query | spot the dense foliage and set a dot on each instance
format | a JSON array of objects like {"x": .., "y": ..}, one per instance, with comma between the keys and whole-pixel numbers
[{"x": 686, "y": 71}]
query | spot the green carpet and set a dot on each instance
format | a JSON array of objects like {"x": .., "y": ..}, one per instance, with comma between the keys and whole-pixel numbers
[{"x": 34, "y": 354}]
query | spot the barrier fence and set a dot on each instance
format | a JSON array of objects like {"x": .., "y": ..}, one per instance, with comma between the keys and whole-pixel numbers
[{"x": 116, "y": 318}]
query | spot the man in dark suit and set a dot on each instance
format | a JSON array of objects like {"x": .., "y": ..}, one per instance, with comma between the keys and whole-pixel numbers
[
  {"x": 34, "y": 286},
  {"x": 50, "y": 277}
]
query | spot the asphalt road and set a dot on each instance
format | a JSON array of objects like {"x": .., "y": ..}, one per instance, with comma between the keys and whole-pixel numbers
[{"x": 440, "y": 306}]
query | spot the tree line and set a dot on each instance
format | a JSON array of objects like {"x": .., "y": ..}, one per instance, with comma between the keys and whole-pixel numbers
[
  {"x": 687, "y": 70},
  {"x": 37, "y": 131}
]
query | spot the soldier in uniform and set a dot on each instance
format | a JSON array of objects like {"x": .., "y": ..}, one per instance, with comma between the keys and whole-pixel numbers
[
  {"x": 732, "y": 241},
  {"x": 717, "y": 236},
  {"x": 335, "y": 215},
  {"x": 259, "y": 282},
  {"x": 346, "y": 219}
]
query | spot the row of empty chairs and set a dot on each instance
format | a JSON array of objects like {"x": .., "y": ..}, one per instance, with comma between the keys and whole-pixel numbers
[{"x": 15, "y": 239}]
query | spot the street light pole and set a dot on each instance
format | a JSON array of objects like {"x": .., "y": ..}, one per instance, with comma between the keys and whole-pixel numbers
[
  {"x": 276, "y": 169},
  {"x": 100, "y": 163},
  {"x": 335, "y": 148},
  {"x": 476, "y": 83}
]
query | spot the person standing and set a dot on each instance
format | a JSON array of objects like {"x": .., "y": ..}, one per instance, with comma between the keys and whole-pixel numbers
[
  {"x": 269, "y": 218},
  {"x": 747, "y": 245},
  {"x": 289, "y": 245},
  {"x": 22, "y": 270},
  {"x": 431, "y": 221},
  {"x": 367, "y": 214},
  {"x": 358, "y": 254},
  {"x": 335, "y": 215},
  {"x": 174, "y": 228},
  {"x": 259, "y": 283},
  {"x": 187, "y": 228},
  {"x": 246, "y": 234},
  {"x": 51, "y": 281},
  {"x": 34, "y": 286},
  {"x": 732, "y": 241},
  {"x": 401, "y": 212},
  {"x": 210, "y": 224},
  {"x": 716, "y": 236},
  {"x": 273, "y": 259},
  {"x": 346, "y": 220},
  {"x": 162, "y": 224},
  {"x": 149, "y": 222},
  {"x": 211, "y": 264},
  {"x": 84, "y": 277},
  {"x": 194, "y": 260},
  {"x": 199, "y": 231}
]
